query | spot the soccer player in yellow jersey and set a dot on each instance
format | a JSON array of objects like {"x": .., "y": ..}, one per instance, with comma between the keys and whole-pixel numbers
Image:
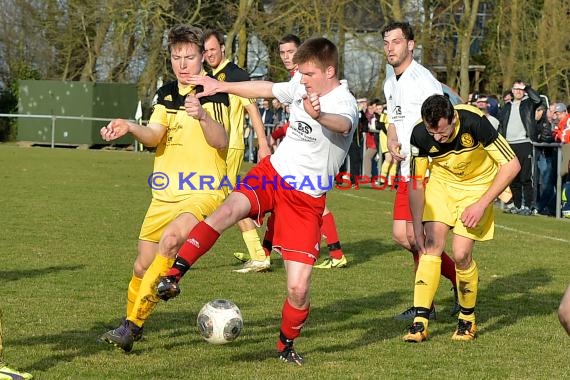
[
  {"x": 470, "y": 164},
  {"x": 189, "y": 176},
  {"x": 226, "y": 71}
]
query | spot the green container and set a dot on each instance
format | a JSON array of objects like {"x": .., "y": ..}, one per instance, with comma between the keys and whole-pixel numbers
[{"x": 76, "y": 99}]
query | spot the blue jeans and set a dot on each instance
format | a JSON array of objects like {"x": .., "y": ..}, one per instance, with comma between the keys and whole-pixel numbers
[{"x": 547, "y": 179}]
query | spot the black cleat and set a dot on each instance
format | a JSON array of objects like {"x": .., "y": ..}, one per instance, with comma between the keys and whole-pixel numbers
[
  {"x": 123, "y": 336},
  {"x": 289, "y": 355},
  {"x": 410, "y": 313},
  {"x": 167, "y": 288}
]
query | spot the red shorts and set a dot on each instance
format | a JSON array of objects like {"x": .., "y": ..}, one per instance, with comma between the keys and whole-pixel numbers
[
  {"x": 402, "y": 203},
  {"x": 298, "y": 216}
]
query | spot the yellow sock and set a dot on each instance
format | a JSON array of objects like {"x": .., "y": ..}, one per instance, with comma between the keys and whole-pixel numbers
[
  {"x": 147, "y": 299},
  {"x": 251, "y": 240},
  {"x": 393, "y": 170},
  {"x": 134, "y": 286},
  {"x": 467, "y": 286},
  {"x": 385, "y": 168},
  {"x": 427, "y": 282}
]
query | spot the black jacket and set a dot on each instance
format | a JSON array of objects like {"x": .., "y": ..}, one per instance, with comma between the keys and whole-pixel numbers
[{"x": 527, "y": 110}]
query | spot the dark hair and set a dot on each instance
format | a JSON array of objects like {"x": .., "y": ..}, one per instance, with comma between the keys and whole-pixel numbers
[
  {"x": 407, "y": 30},
  {"x": 320, "y": 51},
  {"x": 186, "y": 34},
  {"x": 216, "y": 34},
  {"x": 290, "y": 38},
  {"x": 376, "y": 101},
  {"x": 435, "y": 108}
]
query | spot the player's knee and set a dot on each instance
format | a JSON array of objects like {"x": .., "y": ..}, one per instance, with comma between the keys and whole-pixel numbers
[
  {"x": 462, "y": 261},
  {"x": 297, "y": 295},
  {"x": 169, "y": 244}
]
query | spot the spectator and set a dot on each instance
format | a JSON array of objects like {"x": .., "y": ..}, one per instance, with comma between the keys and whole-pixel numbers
[
  {"x": 562, "y": 123},
  {"x": 266, "y": 112},
  {"x": 518, "y": 126},
  {"x": 545, "y": 162},
  {"x": 370, "y": 137},
  {"x": 483, "y": 104}
]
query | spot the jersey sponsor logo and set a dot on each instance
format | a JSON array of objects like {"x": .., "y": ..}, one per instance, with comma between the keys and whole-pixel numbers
[
  {"x": 467, "y": 140},
  {"x": 433, "y": 149},
  {"x": 398, "y": 110},
  {"x": 303, "y": 128}
]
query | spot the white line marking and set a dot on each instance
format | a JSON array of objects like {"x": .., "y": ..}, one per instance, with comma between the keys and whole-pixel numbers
[{"x": 531, "y": 234}]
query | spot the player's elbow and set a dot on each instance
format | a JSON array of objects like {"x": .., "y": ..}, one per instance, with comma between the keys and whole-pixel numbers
[{"x": 220, "y": 142}]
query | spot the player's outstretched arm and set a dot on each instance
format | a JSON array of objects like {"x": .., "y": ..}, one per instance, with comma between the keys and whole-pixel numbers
[
  {"x": 246, "y": 89},
  {"x": 149, "y": 135}
]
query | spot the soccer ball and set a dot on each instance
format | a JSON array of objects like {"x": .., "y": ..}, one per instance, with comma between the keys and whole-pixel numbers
[{"x": 219, "y": 321}]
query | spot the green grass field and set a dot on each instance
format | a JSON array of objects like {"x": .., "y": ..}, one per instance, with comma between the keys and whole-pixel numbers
[{"x": 69, "y": 224}]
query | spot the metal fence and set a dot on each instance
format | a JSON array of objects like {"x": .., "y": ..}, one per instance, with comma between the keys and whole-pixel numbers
[{"x": 562, "y": 157}]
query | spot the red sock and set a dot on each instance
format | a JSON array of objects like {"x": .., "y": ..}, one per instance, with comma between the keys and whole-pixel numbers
[
  {"x": 199, "y": 241},
  {"x": 328, "y": 230},
  {"x": 448, "y": 268},
  {"x": 292, "y": 321}
]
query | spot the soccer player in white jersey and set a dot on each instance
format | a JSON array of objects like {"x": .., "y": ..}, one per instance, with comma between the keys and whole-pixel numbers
[
  {"x": 291, "y": 183},
  {"x": 405, "y": 91}
]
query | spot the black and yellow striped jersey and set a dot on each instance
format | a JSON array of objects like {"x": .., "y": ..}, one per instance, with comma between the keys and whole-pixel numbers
[
  {"x": 469, "y": 159},
  {"x": 183, "y": 149},
  {"x": 230, "y": 72}
]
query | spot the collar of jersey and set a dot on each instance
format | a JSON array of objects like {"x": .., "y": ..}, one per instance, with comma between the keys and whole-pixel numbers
[{"x": 220, "y": 67}]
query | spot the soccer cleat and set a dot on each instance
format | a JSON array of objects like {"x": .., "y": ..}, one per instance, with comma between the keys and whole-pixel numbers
[
  {"x": 241, "y": 256},
  {"x": 123, "y": 336},
  {"x": 8, "y": 373},
  {"x": 255, "y": 266},
  {"x": 333, "y": 263},
  {"x": 417, "y": 333},
  {"x": 456, "y": 308},
  {"x": 466, "y": 331},
  {"x": 167, "y": 288},
  {"x": 289, "y": 355},
  {"x": 410, "y": 313}
]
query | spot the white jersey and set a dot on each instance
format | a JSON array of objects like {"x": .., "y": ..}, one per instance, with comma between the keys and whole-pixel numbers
[
  {"x": 404, "y": 99},
  {"x": 310, "y": 155}
]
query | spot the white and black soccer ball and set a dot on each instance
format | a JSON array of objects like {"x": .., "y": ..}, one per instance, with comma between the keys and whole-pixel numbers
[{"x": 220, "y": 321}]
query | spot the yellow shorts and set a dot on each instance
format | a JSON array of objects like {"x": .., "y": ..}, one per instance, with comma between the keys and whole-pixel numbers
[
  {"x": 233, "y": 162},
  {"x": 160, "y": 214},
  {"x": 383, "y": 142},
  {"x": 445, "y": 204}
]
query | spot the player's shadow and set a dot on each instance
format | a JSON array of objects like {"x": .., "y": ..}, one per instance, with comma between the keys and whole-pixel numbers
[
  {"x": 506, "y": 300},
  {"x": 362, "y": 251},
  {"x": 15, "y": 275}
]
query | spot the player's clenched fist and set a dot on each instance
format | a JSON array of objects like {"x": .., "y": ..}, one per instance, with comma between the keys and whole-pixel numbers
[
  {"x": 194, "y": 108},
  {"x": 312, "y": 105}
]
